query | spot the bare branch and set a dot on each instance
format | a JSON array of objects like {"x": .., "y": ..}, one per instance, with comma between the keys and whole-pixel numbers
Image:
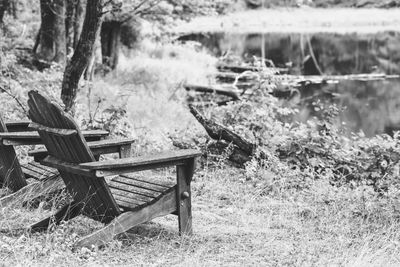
[{"x": 2, "y": 89}]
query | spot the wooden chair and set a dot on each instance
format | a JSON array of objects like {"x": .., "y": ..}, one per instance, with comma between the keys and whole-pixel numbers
[
  {"x": 14, "y": 175},
  {"x": 128, "y": 201}
]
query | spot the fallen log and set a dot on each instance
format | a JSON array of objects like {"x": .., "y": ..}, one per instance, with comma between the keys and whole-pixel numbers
[
  {"x": 217, "y": 132},
  {"x": 298, "y": 80},
  {"x": 254, "y": 3},
  {"x": 236, "y": 155},
  {"x": 212, "y": 89},
  {"x": 241, "y": 69},
  {"x": 232, "y": 77}
]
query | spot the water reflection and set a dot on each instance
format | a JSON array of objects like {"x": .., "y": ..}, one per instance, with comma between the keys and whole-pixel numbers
[{"x": 373, "y": 106}]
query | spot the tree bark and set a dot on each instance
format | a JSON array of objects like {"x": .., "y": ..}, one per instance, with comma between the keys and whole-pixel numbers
[
  {"x": 110, "y": 43},
  {"x": 37, "y": 41},
  {"x": 47, "y": 30},
  {"x": 218, "y": 132},
  {"x": 210, "y": 89},
  {"x": 82, "y": 53},
  {"x": 60, "y": 53},
  {"x": 69, "y": 22},
  {"x": 73, "y": 22},
  {"x": 52, "y": 31},
  {"x": 4, "y": 4},
  {"x": 95, "y": 58},
  {"x": 78, "y": 21}
]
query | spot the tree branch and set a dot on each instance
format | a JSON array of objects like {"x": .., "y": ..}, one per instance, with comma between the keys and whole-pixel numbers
[{"x": 2, "y": 89}]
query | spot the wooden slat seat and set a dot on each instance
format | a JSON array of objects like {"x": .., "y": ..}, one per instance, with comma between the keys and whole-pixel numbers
[
  {"x": 130, "y": 191},
  {"x": 123, "y": 202},
  {"x": 38, "y": 172}
]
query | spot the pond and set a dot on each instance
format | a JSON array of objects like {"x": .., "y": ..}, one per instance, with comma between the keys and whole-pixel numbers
[{"x": 370, "y": 106}]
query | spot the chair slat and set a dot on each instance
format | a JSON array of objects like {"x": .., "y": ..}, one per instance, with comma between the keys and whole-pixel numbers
[
  {"x": 48, "y": 169},
  {"x": 40, "y": 169},
  {"x": 138, "y": 184},
  {"x": 129, "y": 199},
  {"x": 164, "y": 185},
  {"x": 133, "y": 191}
]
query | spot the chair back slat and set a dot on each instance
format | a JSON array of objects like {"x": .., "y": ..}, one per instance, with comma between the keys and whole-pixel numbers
[
  {"x": 72, "y": 148},
  {"x": 11, "y": 174}
]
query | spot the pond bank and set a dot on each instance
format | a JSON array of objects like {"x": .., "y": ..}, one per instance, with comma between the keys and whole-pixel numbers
[{"x": 299, "y": 20}]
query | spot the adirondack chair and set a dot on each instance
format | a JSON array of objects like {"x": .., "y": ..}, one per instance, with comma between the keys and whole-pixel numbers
[
  {"x": 129, "y": 200},
  {"x": 45, "y": 179}
]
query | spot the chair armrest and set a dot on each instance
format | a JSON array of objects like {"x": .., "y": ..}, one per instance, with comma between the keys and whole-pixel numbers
[
  {"x": 18, "y": 126},
  {"x": 66, "y": 166},
  {"x": 122, "y": 146},
  {"x": 7, "y": 138},
  {"x": 126, "y": 165},
  {"x": 33, "y": 138}
]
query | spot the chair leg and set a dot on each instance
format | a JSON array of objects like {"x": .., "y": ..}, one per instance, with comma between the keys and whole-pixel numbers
[
  {"x": 164, "y": 206},
  {"x": 66, "y": 213},
  {"x": 34, "y": 190},
  {"x": 184, "y": 177}
]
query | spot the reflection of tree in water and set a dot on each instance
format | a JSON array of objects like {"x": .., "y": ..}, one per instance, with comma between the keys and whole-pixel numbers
[
  {"x": 373, "y": 107},
  {"x": 335, "y": 53}
]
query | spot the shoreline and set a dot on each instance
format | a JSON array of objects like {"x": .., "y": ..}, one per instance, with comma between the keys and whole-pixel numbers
[{"x": 297, "y": 20}]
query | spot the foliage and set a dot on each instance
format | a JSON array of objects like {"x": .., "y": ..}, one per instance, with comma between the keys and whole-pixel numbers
[{"x": 317, "y": 150}]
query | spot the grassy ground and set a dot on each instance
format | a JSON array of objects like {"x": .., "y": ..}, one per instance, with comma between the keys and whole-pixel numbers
[{"x": 236, "y": 224}]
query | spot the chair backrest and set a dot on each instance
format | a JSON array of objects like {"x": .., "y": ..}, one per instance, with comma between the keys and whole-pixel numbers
[
  {"x": 11, "y": 174},
  {"x": 64, "y": 141}
]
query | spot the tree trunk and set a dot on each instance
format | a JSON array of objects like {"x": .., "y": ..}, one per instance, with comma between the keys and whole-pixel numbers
[
  {"x": 95, "y": 58},
  {"x": 37, "y": 41},
  {"x": 82, "y": 53},
  {"x": 60, "y": 46},
  {"x": 52, "y": 31},
  {"x": 73, "y": 22},
  {"x": 78, "y": 21},
  {"x": 4, "y": 4},
  {"x": 110, "y": 43},
  {"x": 69, "y": 23},
  {"x": 47, "y": 30}
]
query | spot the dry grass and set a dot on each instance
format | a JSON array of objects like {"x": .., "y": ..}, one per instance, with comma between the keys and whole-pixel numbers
[{"x": 236, "y": 224}]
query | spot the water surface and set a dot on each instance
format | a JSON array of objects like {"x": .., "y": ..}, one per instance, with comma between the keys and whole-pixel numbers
[{"x": 370, "y": 106}]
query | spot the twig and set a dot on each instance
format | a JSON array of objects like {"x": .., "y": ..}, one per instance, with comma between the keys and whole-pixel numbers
[
  {"x": 2, "y": 89},
  {"x": 313, "y": 56},
  {"x": 143, "y": 11}
]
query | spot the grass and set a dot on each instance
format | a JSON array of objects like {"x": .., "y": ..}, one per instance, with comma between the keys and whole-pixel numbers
[{"x": 235, "y": 223}]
